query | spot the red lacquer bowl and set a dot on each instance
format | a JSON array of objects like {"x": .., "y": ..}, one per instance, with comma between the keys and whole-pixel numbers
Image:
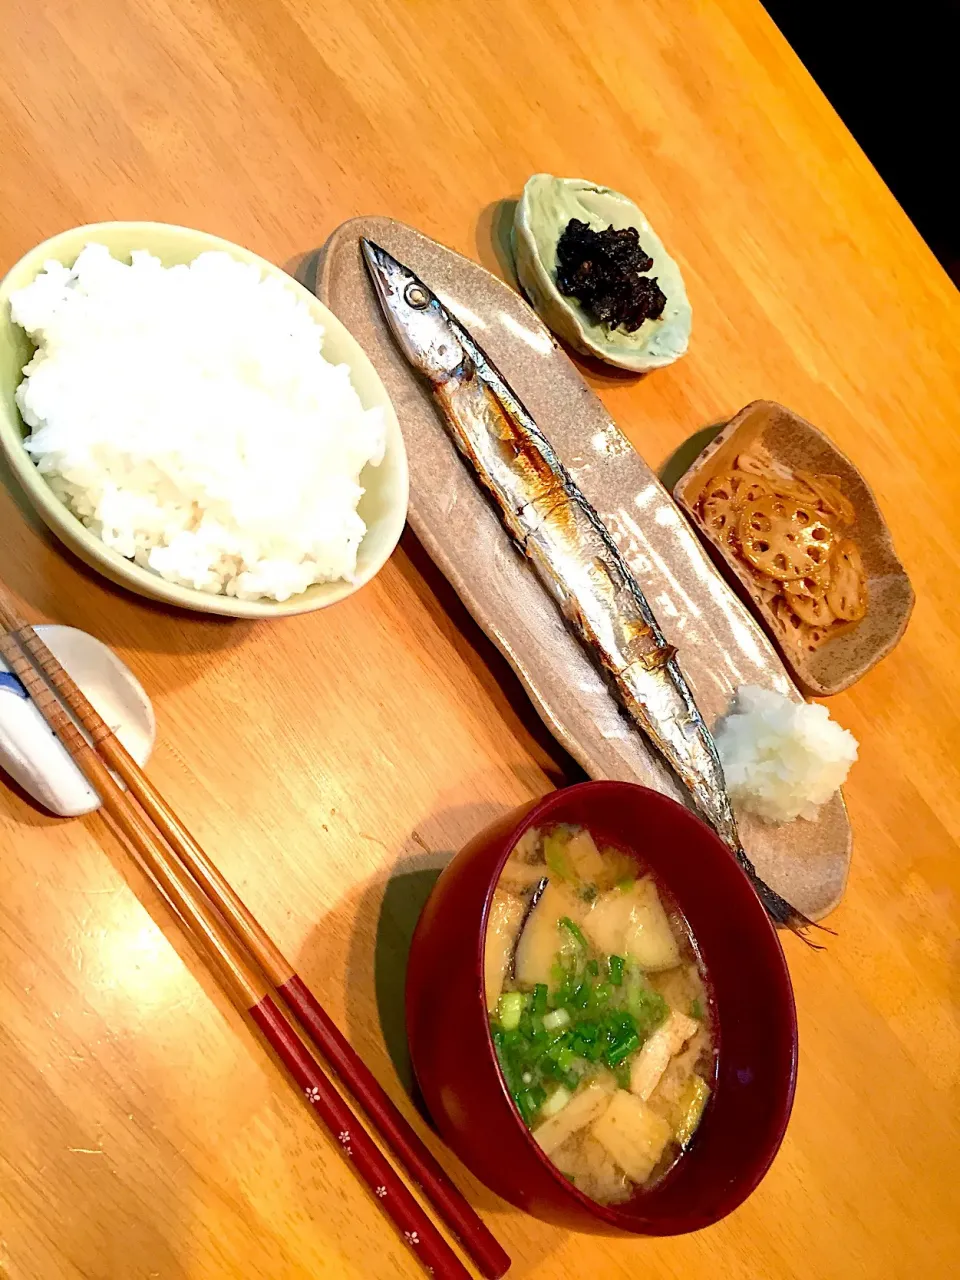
[{"x": 453, "y": 1054}]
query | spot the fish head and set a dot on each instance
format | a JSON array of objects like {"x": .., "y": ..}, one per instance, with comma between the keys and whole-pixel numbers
[{"x": 416, "y": 316}]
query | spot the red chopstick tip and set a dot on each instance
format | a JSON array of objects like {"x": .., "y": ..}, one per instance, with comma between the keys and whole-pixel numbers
[
  {"x": 356, "y": 1145},
  {"x": 472, "y": 1233}
]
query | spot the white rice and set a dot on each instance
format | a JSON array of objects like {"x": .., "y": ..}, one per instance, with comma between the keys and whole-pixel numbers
[
  {"x": 187, "y": 416},
  {"x": 782, "y": 759}
]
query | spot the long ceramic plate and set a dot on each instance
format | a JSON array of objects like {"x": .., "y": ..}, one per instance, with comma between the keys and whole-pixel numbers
[{"x": 720, "y": 646}]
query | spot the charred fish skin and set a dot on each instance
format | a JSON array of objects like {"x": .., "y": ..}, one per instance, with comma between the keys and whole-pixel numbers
[{"x": 570, "y": 548}]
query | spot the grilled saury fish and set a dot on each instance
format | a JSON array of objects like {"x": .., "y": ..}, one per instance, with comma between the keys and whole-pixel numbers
[{"x": 571, "y": 549}]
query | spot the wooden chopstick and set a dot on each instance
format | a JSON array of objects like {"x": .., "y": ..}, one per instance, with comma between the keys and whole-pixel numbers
[
  {"x": 239, "y": 978},
  {"x": 421, "y": 1165}
]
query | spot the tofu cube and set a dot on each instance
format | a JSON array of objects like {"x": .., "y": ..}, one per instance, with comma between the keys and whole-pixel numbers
[
  {"x": 576, "y": 1115},
  {"x": 654, "y": 1058},
  {"x": 633, "y": 1135}
]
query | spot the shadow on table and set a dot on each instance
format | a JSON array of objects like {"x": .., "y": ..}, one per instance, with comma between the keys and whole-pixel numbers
[
  {"x": 366, "y": 938},
  {"x": 493, "y": 240},
  {"x": 29, "y": 812},
  {"x": 500, "y": 682},
  {"x": 685, "y": 454},
  {"x": 304, "y": 266},
  {"x": 404, "y": 897}
]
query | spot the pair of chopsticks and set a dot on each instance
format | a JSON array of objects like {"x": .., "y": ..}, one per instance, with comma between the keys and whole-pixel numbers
[{"x": 252, "y": 969}]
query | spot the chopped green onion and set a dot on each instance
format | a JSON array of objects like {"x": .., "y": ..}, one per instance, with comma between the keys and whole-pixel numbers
[
  {"x": 696, "y": 1010},
  {"x": 557, "y": 1020},
  {"x": 550, "y": 1071},
  {"x": 621, "y": 1074},
  {"x": 512, "y": 1039},
  {"x": 503, "y": 1057},
  {"x": 555, "y": 854},
  {"x": 557, "y": 1045},
  {"x": 529, "y": 1102},
  {"x": 615, "y": 966},
  {"x": 622, "y": 1021},
  {"x": 600, "y": 995},
  {"x": 587, "y": 1041},
  {"x": 575, "y": 931},
  {"x": 555, "y": 1102},
  {"x": 512, "y": 1004},
  {"x": 591, "y": 968},
  {"x": 647, "y": 1006},
  {"x": 622, "y": 1049},
  {"x": 539, "y": 1003}
]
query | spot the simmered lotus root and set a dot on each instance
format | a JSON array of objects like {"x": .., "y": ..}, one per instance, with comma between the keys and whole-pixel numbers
[
  {"x": 753, "y": 464},
  {"x": 718, "y": 507},
  {"x": 784, "y": 538},
  {"x": 789, "y": 530},
  {"x": 812, "y": 585},
  {"x": 827, "y": 489},
  {"x": 722, "y": 500},
  {"x": 847, "y": 595},
  {"x": 734, "y": 487},
  {"x": 794, "y": 630},
  {"x": 815, "y": 613},
  {"x": 785, "y": 616}
]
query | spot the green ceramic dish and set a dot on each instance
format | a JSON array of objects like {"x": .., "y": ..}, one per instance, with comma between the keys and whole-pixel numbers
[
  {"x": 383, "y": 506},
  {"x": 545, "y": 208}
]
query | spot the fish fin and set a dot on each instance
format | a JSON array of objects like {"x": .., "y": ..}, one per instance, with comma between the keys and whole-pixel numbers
[{"x": 780, "y": 911}]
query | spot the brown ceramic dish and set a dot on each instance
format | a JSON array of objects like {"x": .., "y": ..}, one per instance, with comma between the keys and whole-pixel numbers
[
  {"x": 721, "y": 645},
  {"x": 794, "y": 442}
]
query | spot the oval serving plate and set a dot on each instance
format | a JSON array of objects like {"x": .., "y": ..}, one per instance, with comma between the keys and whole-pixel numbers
[
  {"x": 794, "y": 442},
  {"x": 720, "y": 645}
]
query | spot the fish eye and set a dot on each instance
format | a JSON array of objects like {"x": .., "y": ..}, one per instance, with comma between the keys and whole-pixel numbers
[{"x": 416, "y": 296}]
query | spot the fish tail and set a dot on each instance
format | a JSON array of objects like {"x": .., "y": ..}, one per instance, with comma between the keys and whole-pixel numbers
[{"x": 780, "y": 911}]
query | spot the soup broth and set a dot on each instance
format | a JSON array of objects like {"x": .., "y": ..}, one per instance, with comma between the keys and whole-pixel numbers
[{"x": 599, "y": 1012}]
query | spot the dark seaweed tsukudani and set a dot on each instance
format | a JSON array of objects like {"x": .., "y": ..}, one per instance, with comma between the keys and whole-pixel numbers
[{"x": 603, "y": 271}]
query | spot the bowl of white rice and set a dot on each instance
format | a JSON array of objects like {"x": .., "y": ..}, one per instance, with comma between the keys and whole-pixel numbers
[{"x": 194, "y": 424}]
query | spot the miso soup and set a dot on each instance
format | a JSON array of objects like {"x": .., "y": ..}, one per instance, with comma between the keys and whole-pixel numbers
[{"x": 599, "y": 1011}]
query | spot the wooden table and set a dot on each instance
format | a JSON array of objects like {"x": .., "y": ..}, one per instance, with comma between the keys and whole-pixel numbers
[{"x": 333, "y": 760}]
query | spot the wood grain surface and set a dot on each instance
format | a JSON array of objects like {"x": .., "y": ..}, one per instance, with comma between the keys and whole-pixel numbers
[{"x": 333, "y": 761}]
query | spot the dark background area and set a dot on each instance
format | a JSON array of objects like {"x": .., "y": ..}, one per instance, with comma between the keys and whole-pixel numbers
[{"x": 893, "y": 75}]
